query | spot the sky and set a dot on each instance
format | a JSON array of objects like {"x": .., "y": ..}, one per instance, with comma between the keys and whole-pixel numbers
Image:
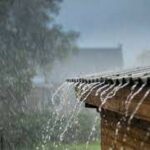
[{"x": 107, "y": 23}]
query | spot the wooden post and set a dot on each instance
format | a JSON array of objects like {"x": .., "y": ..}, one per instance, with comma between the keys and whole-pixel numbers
[{"x": 117, "y": 134}]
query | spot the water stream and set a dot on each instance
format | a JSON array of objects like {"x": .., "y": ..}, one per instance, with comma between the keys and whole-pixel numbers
[
  {"x": 102, "y": 90},
  {"x": 138, "y": 105}
]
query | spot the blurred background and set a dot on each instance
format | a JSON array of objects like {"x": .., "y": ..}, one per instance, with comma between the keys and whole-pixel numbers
[{"x": 44, "y": 42}]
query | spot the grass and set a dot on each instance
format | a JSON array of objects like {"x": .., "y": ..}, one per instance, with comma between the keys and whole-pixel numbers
[{"x": 91, "y": 146}]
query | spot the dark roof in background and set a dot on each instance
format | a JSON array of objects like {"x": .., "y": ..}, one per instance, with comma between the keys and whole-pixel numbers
[
  {"x": 101, "y": 48},
  {"x": 98, "y": 59}
]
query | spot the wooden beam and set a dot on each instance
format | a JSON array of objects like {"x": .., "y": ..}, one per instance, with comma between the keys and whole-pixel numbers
[
  {"x": 117, "y": 133},
  {"x": 122, "y": 136},
  {"x": 118, "y": 103}
]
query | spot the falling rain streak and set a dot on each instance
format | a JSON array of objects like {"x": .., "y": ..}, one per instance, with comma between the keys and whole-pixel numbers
[
  {"x": 107, "y": 92},
  {"x": 104, "y": 92}
]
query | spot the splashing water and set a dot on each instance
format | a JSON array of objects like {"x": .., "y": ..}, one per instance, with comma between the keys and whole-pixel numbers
[
  {"x": 104, "y": 99},
  {"x": 71, "y": 118},
  {"x": 56, "y": 92},
  {"x": 128, "y": 102},
  {"x": 112, "y": 92},
  {"x": 87, "y": 89},
  {"x": 117, "y": 88},
  {"x": 138, "y": 105},
  {"x": 90, "y": 91},
  {"x": 105, "y": 91},
  {"x": 62, "y": 91},
  {"x": 102, "y": 95},
  {"x": 132, "y": 95},
  {"x": 101, "y": 88},
  {"x": 78, "y": 108},
  {"x": 92, "y": 131}
]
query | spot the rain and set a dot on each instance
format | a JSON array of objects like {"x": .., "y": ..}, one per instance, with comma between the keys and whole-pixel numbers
[{"x": 74, "y": 75}]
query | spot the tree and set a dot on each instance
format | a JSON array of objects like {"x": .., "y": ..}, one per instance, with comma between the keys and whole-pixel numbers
[
  {"x": 28, "y": 38},
  {"x": 30, "y": 25}
]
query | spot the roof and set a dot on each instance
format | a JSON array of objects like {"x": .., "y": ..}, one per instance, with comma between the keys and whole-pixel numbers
[
  {"x": 119, "y": 48},
  {"x": 140, "y": 75}
]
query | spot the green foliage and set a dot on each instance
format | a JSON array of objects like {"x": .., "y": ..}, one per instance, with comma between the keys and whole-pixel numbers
[
  {"x": 82, "y": 128},
  {"x": 92, "y": 146},
  {"x": 15, "y": 84},
  {"x": 28, "y": 38},
  {"x": 28, "y": 130},
  {"x": 29, "y": 25}
]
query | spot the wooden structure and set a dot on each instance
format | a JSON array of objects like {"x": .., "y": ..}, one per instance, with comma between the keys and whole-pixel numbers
[{"x": 125, "y": 117}]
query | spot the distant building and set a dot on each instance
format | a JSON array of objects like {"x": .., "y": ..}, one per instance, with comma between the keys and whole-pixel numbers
[
  {"x": 97, "y": 59},
  {"x": 88, "y": 61},
  {"x": 85, "y": 61}
]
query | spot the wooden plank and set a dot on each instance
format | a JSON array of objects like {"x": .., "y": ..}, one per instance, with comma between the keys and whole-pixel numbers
[
  {"x": 133, "y": 139},
  {"x": 133, "y": 136},
  {"x": 117, "y": 103}
]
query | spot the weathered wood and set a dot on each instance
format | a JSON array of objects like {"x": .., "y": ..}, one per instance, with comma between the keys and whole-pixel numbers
[
  {"x": 117, "y": 103},
  {"x": 133, "y": 136},
  {"x": 129, "y": 137},
  {"x": 122, "y": 128}
]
